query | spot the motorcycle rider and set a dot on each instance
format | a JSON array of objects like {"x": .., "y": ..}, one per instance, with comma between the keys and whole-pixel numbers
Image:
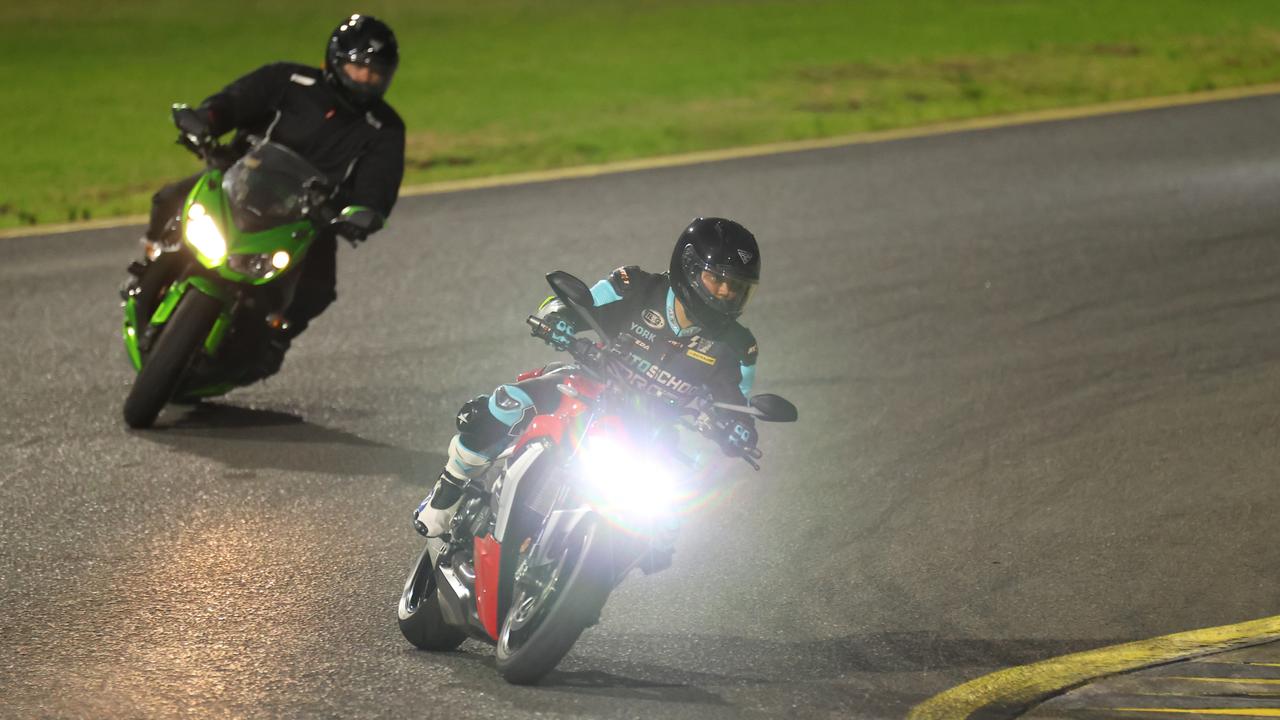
[
  {"x": 336, "y": 119},
  {"x": 682, "y": 334}
]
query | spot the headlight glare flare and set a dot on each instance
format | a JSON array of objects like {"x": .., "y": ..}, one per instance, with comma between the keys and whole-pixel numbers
[{"x": 203, "y": 234}]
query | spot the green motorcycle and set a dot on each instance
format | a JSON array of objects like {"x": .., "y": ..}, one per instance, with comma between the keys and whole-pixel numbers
[{"x": 199, "y": 315}]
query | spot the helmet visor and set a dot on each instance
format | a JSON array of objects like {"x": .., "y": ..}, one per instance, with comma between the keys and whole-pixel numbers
[
  {"x": 722, "y": 288},
  {"x": 365, "y": 77}
]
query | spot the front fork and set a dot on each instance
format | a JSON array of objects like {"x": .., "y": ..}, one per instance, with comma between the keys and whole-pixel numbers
[{"x": 138, "y": 340}]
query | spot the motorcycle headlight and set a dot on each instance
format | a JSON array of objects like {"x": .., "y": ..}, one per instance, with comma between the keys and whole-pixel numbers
[
  {"x": 259, "y": 265},
  {"x": 627, "y": 481},
  {"x": 204, "y": 235}
]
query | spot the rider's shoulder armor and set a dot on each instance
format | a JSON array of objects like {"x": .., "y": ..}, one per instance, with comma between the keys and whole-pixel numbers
[
  {"x": 741, "y": 342},
  {"x": 299, "y": 74},
  {"x": 628, "y": 277}
]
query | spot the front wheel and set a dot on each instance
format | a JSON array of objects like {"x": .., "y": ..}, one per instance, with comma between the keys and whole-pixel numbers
[
  {"x": 421, "y": 621},
  {"x": 551, "y": 606},
  {"x": 179, "y": 340}
]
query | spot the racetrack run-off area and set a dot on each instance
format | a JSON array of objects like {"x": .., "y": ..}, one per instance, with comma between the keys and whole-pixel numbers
[
  {"x": 1034, "y": 365},
  {"x": 511, "y": 86}
]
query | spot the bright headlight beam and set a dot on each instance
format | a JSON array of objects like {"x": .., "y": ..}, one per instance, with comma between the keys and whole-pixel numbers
[
  {"x": 204, "y": 235},
  {"x": 280, "y": 260},
  {"x": 628, "y": 481}
]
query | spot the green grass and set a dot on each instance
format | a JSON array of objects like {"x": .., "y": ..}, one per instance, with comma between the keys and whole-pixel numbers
[{"x": 496, "y": 86}]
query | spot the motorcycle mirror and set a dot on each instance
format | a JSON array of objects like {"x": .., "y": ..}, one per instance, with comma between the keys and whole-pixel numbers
[
  {"x": 769, "y": 408},
  {"x": 366, "y": 220},
  {"x": 188, "y": 121},
  {"x": 576, "y": 295},
  {"x": 774, "y": 408},
  {"x": 569, "y": 288}
]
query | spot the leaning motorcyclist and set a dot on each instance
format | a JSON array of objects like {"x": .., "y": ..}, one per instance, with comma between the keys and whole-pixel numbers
[
  {"x": 681, "y": 334},
  {"x": 336, "y": 119}
]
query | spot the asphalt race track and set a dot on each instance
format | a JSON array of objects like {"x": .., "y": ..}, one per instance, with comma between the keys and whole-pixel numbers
[{"x": 1037, "y": 370}]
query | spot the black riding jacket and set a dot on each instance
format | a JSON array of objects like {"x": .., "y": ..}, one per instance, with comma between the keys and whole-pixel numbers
[
  {"x": 361, "y": 150},
  {"x": 671, "y": 362}
]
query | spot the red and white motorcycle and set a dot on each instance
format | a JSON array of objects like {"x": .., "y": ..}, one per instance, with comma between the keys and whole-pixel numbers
[{"x": 584, "y": 495}]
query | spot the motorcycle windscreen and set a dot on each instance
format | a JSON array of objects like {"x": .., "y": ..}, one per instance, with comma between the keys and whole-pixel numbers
[{"x": 267, "y": 187}]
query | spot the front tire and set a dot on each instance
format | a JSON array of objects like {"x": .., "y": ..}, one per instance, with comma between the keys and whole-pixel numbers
[
  {"x": 155, "y": 281},
  {"x": 531, "y": 646},
  {"x": 421, "y": 621},
  {"x": 164, "y": 367}
]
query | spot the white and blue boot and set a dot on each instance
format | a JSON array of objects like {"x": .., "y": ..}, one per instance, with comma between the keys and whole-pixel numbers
[{"x": 435, "y": 513}]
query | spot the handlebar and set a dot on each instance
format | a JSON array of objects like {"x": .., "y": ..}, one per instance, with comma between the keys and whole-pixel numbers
[
  {"x": 594, "y": 359},
  {"x": 219, "y": 156},
  {"x": 587, "y": 353}
]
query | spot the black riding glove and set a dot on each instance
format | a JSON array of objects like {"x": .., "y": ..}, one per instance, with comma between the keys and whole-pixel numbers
[
  {"x": 351, "y": 234},
  {"x": 355, "y": 223}
]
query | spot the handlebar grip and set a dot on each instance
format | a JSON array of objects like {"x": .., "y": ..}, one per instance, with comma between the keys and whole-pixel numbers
[{"x": 324, "y": 214}]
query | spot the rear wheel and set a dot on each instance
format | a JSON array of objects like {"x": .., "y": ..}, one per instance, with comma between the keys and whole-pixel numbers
[
  {"x": 552, "y": 605},
  {"x": 179, "y": 340},
  {"x": 421, "y": 621}
]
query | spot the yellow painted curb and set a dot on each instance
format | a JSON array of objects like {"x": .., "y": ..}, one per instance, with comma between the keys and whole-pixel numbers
[
  {"x": 1225, "y": 712},
  {"x": 1010, "y": 692},
  {"x": 695, "y": 158}
]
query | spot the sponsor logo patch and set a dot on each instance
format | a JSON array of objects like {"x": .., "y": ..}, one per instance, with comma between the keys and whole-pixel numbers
[
  {"x": 647, "y": 376},
  {"x": 302, "y": 80},
  {"x": 653, "y": 319},
  {"x": 643, "y": 332},
  {"x": 746, "y": 256},
  {"x": 701, "y": 357}
]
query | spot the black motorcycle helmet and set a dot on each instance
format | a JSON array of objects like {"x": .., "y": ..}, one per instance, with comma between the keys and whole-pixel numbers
[
  {"x": 365, "y": 41},
  {"x": 714, "y": 268}
]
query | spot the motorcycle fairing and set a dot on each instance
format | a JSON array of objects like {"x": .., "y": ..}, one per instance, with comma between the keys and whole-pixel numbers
[
  {"x": 552, "y": 426},
  {"x": 294, "y": 238},
  {"x": 488, "y": 554},
  {"x": 495, "y": 564},
  {"x": 531, "y": 374},
  {"x": 510, "y": 486},
  {"x": 542, "y": 427}
]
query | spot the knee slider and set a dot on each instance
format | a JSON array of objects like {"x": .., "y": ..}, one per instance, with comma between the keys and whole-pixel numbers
[{"x": 511, "y": 406}]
